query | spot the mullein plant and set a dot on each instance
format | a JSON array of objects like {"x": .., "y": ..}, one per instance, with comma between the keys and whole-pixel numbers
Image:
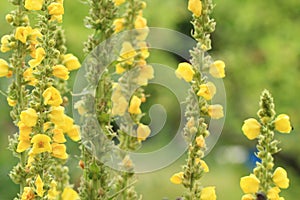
[
  {"x": 196, "y": 129},
  {"x": 265, "y": 182},
  {"x": 39, "y": 67},
  {"x": 114, "y": 99}
]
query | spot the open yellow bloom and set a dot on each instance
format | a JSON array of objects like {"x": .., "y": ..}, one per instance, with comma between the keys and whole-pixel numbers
[
  {"x": 57, "y": 114},
  {"x": 140, "y": 22},
  {"x": 23, "y": 145},
  {"x": 142, "y": 132},
  {"x": 249, "y": 184},
  {"x": 185, "y": 71},
  {"x": 66, "y": 124},
  {"x": 34, "y": 4},
  {"x": 60, "y": 71},
  {"x": 280, "y": 178},
  {"x": 195, "y": 6},
  {"x": 28, "y": 194},
  {"x": 207, "y": 91},
  {"x": 273, "y": 193},
  {"x": 217, "y": 69},
  {"x": 69, "y": 194},
  {"x": 11, "y": 102},
  {"x": 22, "y": 32},
  {"x": 5, "y": 44},
  {"x": 146, "y": 73},
  {"x": 119, "y": 24},
  {"x": 215, "y": 111},
  {"x": 127, "y": 53},
  {"x": 283, "y": 124},
  {"x": 71, "y": 62},
  {"x": 34, "y": 35},
  {"x": 177, "y": 178},
  {"x": 39, "y": 57},
  {"x": 24, "y": 137},
  {"x": 74, "y": 133},
  {"x": 142, "y": 33},
  {"x": 119, "y": 2},
  {"x": 52, "y": 192},
  {"x": 56, "y": 9},
  {"x": 39, "y": 186},
  {"x": 134, "y": 107},
  {"x": 59, "y": 151},
  {"x": 58, "y": 135},
  {"x": 41, "y": 143},
  {"x": 52, "y": 97},
  {"x": 248, "y": 197},
  {"x": 251, "y": 128},
  {"x": 29, "y": 117},
  {"x": 29, "y": 77},
  {"x": 208, "y": 193},
  {"x": 57, "y": 18},
  {"x": 4, "y": 68}
]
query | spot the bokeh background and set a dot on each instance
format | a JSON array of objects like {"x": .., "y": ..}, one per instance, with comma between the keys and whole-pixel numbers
[{"x": 258, "y": 40}]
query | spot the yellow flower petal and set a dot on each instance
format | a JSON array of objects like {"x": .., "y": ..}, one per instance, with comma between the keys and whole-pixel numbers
[
  {"x": 69, "y": 194},
  {"x": 39, "y": 186},
  {"x": 22, "y": 32},
  {"x": 177, "y": 178},
  {"x": 143, "y": 131},
  {"x": 208, "y": 193},
  {"x": 185, "y": 71},
  {"x": 249, "y": 184},
  {"x": 34, "y": 4},
  {"x": 60, "y": 71},
  {"x": 56, "y": 9},
  {"x": 74, "y": 133},
  {"x": 119, "y": 24},
  {"x": 207, "y": 91},
  {"x": 251, "y": 128},
  {"x": 273, "y": 193},
  {"x": 28, "y": 194},
  {"x": 283, "y": 124},
  {"x": 29, "y": 117},
  {"x": 140, "y": 22},
  {"x": 134, "y": 107},
  {"x": 58, "y": 135},
  {"x": 23, "y": 145},
  {"x": 41, "y": 143},
  {"x": 217, "y": 69},
  {"x": 59, "y": 151},
  {"x": 200, "y": 141},
  {"x": 248, "y": 197},
  {"x": 71, "y": 62},
  {"x": 52, "y": 97},
  {"x": 119, "y": 2},
  {"x": 146, "y": 73},
  {"x": 195, "y": 6},
  {"x": 215, "y": 111},
  {"x": 3, "y": 68},
  {"x": 280, "y": 178}
]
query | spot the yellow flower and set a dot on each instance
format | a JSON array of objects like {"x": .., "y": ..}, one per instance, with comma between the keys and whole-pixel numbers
[
  {"x": 57, "y": 18},
  {"x": 24, "y": 137},
  {"x": 22, "y": 32},
  {"x": 146, "y": 73},
  {"x": 71, "y": 62},
  {"x": 119, "y": 69},
  {"x": 195, "y": 6},
  {"x": 217, "y": 69},
  {"x": 52, "y": 97},
  {"x": 41, "y": 143},
  {"x": 66, "y": 124},
  {"x": 59, "y": 151},
  {"x": 127, "y": 53},
  {"x": 74, "y": 133},
  {"x": 11, "y": 102},
  {"x": 134, "y": 107},
  {"x": 5, "y": 44},
  {"x": 119, "y": 102},
  {"x": 29, "y": 77},
  {"x": 23, "y": 145},
  {"x": 60, "y": 71},
  {"x": 4, "y": 68},
  {"x": 203, "y": 164},
  {"x": 280, "y": 178},
  {"x": 34, "y": 35},
  {"x": 207, "y": 91},
  {"x": 58, "y": 135},
  {"x": 79, "y": 105},
  {"x": 56, "y": 9},
  {"x": 57, "y": 114},
  {"x": 34, "y": 4},
  {"x": 185, "y": 71},
  {"x": 28, "y": 194},
  {"x": 283, "y": 124},
  {"x": 142, "y": 33},
  {"x": 215, "y": 111},
  {"x": 69, "y": 194},
  {"x": 119, "y": 2},
  {"x": 29, "y": 117},
  {"x": 249, "y": 184},
  {"x": 119, "y": 24},
  {"x": 52, "y": 192},
  {"x": 177, "y": 178},
  {"x": 140, "y": 22},
  {"x": 251, "y": 128},
  {"x": 144, "y": 49},
  {"x": 208, "y": 193},
  {"x": 248, "y": 197},
  {"x": 39, "y": 57},
  {"x": 39, "y": 186},
  {"x": 143, "y": 131},
  {"x": 200, "y": 141},
  {"x": 273, "y": 193}
]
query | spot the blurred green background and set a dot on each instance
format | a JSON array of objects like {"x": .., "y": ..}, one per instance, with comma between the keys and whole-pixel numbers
[{"x": 258, "y": 40}]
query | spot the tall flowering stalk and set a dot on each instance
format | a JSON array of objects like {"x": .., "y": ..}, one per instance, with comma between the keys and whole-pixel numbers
[
  {"x": 265, "y": 182},
  {"x": 36, "y": 100},
  {"x": 196, "y": 129}
]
